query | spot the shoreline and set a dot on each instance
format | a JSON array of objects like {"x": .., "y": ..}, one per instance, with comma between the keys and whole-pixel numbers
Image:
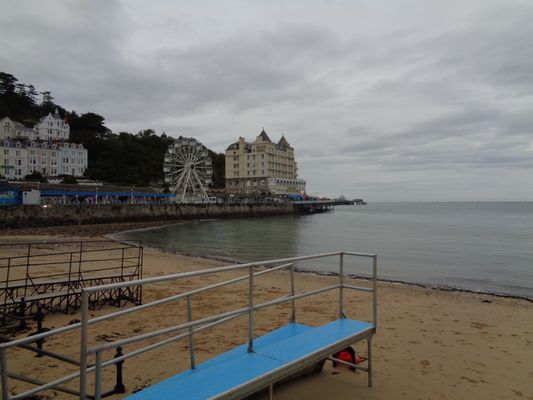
[
  {"x": 111, "y": 229},
  {"x": 424, "y": 285}
]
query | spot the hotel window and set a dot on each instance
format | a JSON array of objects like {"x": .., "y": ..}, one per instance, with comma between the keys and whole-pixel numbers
[{"x": 6, "y": 152}]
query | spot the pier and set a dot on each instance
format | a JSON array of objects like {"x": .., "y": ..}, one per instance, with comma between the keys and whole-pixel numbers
[{"x": 318, "y": 206}]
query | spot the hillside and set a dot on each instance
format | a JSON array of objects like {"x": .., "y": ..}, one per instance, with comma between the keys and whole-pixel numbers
[{"x": 119, "y": 158}]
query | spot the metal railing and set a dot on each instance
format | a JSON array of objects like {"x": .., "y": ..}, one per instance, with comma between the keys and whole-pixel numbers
[
  {"x": 36, "y": 268},
  {"x": 191, "y": 327}
]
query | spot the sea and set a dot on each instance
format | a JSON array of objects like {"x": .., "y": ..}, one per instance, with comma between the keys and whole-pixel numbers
[{"x": 477, "y": 246}]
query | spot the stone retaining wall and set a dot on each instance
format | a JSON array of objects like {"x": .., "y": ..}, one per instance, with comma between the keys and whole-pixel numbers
[{"x": 33, "y": 216}]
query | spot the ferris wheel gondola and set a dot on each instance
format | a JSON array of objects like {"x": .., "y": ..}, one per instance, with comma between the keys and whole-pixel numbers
[{"x": 188, "y": 170}]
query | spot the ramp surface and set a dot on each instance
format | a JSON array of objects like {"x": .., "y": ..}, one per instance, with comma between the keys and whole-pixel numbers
[{"x": 235, "y": 368}]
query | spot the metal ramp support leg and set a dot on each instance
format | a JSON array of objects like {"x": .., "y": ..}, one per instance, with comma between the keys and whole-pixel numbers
[{"x": 369, "y": 343}]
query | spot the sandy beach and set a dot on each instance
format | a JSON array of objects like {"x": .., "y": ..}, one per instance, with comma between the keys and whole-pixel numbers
[{"x": 430, "y": 344}]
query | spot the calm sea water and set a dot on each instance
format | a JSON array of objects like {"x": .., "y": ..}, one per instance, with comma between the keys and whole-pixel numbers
[{"x": 486, "y": 246}]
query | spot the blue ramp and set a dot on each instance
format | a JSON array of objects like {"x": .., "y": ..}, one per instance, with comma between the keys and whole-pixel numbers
[{"x": 277, "y": 354}]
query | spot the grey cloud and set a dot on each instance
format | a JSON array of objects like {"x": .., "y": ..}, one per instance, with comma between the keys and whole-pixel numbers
[{"x": 372, "y": 96}]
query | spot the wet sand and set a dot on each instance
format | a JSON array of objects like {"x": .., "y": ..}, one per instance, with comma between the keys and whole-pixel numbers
[{"x": 430, "y": 344}]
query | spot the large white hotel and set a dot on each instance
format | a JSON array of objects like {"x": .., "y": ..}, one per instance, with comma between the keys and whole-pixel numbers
[
  {"x": 44, "y": 148},
  {"x": 262, "y": 166}
]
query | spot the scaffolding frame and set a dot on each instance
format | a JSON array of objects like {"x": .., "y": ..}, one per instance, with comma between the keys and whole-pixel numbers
[{"x": 51, "y": 276}]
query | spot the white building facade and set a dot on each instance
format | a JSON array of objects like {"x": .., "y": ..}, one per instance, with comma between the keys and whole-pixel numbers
[
  {"x": 262, "y": 166},
  {"x": 44, "y": 149}
]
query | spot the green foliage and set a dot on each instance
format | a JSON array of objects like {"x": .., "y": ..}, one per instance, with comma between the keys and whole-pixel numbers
[
  {"x": 69, "y": 179},
  {"x": 36, "y": 176},
  {"x": 122, "y": 159},
  {"x": 218, "y": 160}
]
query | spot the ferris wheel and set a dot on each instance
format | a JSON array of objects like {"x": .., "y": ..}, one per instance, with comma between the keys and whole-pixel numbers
[{"x": 188, "y": 170}]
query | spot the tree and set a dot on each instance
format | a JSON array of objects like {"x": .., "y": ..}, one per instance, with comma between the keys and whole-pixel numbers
[
  {"x": 32, "y": 93},
  {"x": 36, "y": 176},
  {"x": 47, "y": 98},
  {"x": 69, "y": 179},
  {"x": 7, "y": 83}
]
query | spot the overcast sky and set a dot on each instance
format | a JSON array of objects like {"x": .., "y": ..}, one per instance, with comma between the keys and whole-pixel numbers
[{"x": 385, "y": 100}]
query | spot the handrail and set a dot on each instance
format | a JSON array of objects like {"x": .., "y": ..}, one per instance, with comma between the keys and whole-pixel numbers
[
  {"x": 191, "y": 327},
  {"x": 214, "y": 318},
  {"x": 208, "y": 271},
  {"x": 128, "y": 242},
  {"x": 165, "y": 300}
]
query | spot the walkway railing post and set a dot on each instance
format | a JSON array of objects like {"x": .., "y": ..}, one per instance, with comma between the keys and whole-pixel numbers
[
  {"x": 3, "y": 365},
  {"x": 27, "y": 270},
  {"x": 98, "y": 376},
  {"x": 293, "y": 301},
  {"x": 341, "y": 287},
  {"x": 7, "y": 288},
  {"x": 83, "y": 344},
  {"x": 119, "y": 386},
  {"x": 375, "y": 290},
  {"x": 79, "y": 262},
  {"x": 191, "y": 332},
  {"x": 251, "y": 309}
]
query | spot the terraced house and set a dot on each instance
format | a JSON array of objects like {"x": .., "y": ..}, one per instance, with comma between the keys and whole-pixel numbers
[{"x": 44, "y": 148}]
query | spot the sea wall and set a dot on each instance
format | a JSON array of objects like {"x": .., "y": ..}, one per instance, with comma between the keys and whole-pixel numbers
[{"x": 33, "y": 216}]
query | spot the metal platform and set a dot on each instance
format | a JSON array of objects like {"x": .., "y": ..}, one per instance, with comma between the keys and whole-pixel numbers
[
  {"x": 276, "y": 356},
  {"x": 50, "y": 276}
]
